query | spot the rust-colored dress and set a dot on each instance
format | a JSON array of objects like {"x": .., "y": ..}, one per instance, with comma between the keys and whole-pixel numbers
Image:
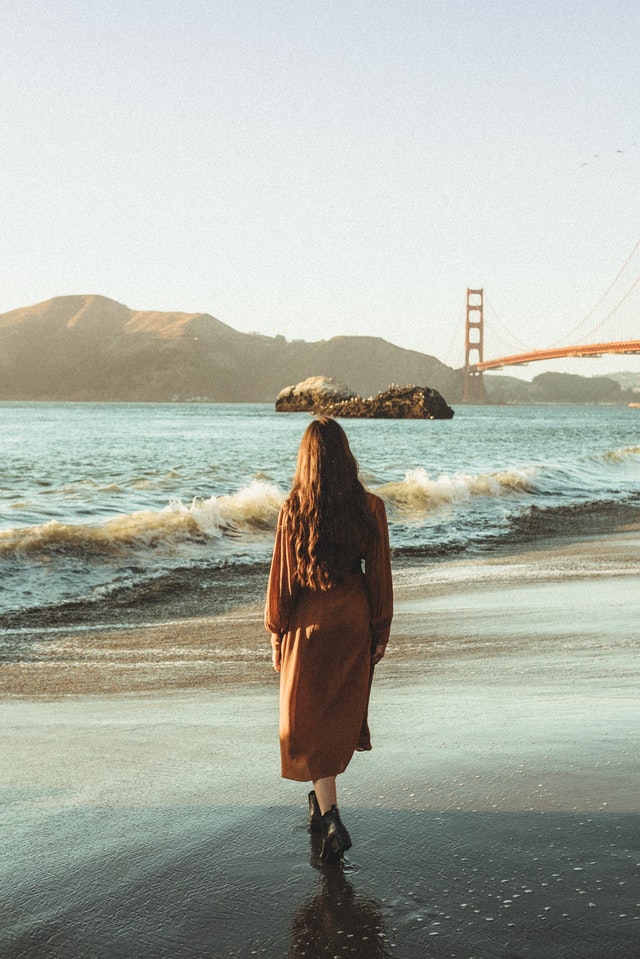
[{"x": 326, "y": 638}]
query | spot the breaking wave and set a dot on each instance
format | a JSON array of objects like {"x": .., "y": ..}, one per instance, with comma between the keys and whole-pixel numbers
[
  {"x": 418, "y": 493},
  {"x": 253, "y": 509},
  {"x": 629, "y": 454},
  {"x": 250, "y": 514}
]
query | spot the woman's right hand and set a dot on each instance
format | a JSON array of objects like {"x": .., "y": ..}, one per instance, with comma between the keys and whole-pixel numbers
[{"x": 275, "y": 658}]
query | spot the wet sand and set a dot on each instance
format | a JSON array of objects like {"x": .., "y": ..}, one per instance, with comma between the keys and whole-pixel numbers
[{"x": 497, "y": 817}]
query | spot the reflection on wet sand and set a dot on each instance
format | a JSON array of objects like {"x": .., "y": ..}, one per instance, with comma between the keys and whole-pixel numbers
[{"x": 335, "y": 921}]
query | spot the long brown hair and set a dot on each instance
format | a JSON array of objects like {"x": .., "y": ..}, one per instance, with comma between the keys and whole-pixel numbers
[{"x": 328, "y": 512}]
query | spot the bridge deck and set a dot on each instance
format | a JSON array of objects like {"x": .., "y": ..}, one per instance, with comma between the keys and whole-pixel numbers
[{"x": 594, "y": 349}]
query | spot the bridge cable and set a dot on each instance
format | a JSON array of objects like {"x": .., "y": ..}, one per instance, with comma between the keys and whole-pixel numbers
[
  {"x": 454, "y": 350},
  {"x": 599, "y": 303},
  {"x": 618, "y": 304},
  {"x": 511, "y": 335}
]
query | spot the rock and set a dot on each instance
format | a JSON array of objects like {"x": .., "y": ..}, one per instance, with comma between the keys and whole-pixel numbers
[
  {"x": 311, "y": 394},
  {"x": 324, "y": 396}
]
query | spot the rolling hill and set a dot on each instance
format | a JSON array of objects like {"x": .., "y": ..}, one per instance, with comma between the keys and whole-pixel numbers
[{"x": 90, "y": 348}]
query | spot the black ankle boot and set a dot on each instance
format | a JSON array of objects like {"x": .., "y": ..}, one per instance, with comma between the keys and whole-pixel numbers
[
  {"x": 336, "y": 839},
  {"x": 315, "y": 816}
]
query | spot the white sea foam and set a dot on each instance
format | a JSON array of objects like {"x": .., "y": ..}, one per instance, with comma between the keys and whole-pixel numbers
[
  {"x": 252, "y": 509},
  {"x": 418, "y": 492},
  {"x": 630, "y": 454}
]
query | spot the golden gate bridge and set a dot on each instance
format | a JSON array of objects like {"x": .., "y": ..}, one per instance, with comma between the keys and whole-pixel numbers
[{"x": 616, "y": 314}]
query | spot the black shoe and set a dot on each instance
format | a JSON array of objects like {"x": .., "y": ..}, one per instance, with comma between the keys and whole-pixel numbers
[
  {"x": 336, "y": 839},
  {"x": 316, "y": 823}
]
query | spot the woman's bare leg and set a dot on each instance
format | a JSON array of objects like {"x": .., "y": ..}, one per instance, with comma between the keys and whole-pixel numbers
[{"x": 325, "y": 790}]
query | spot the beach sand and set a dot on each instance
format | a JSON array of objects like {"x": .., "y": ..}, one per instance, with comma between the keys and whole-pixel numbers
[{"x": 496, "y": 818}]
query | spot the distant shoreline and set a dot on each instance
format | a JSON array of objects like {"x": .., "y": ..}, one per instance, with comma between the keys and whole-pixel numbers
[
  {"x": 271, "y": 403},
  {"x": 89, "y": 348}
]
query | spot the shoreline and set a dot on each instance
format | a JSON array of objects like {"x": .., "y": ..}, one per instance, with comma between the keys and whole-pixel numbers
[
  {"x": 183, "y": 592},
  {"x": 444, "y": 610}
]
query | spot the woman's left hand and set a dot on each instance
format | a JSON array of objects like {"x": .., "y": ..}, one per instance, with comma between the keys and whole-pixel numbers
[{"x": 377, "y": 654}]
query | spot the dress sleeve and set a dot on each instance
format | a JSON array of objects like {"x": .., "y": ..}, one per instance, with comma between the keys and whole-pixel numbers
[
  {"x": 377, "y": 571},
  {"x": 282, "y": 589}
]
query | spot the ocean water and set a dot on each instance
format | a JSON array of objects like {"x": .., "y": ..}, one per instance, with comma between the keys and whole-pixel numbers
[{"x": 113, "y": 514}]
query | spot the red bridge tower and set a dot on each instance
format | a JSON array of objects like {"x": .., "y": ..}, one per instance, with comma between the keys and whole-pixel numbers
[{"x": 473, "y": 391}]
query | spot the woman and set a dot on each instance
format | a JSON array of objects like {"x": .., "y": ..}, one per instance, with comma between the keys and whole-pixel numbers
[{"x": 329, "y": 619}]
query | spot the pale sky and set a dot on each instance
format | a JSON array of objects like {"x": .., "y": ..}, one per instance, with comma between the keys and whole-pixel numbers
[{"x": 313, "y": 168}]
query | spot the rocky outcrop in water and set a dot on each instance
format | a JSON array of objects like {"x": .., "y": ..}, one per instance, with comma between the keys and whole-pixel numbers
[
  {"x": 312, "y": 395},
  {"x": 324, "y": 396}
]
